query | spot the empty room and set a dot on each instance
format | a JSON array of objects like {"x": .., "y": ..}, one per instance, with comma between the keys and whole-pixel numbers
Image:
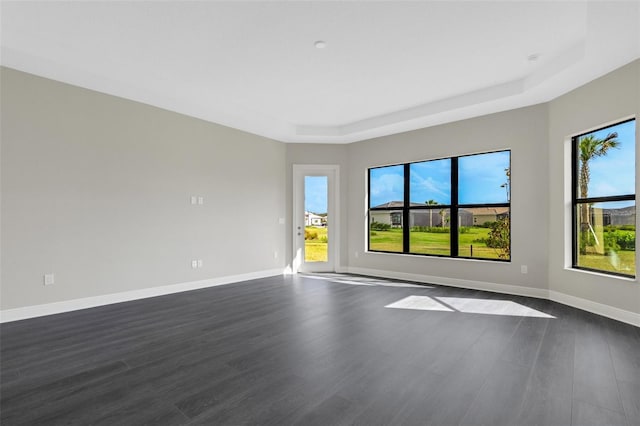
[{"x": 319, "y": 213}]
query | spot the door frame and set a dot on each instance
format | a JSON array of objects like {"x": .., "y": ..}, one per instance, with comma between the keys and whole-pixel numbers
[{"x": 333, "y": 213}]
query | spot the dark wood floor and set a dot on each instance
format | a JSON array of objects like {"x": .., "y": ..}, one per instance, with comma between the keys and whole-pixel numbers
[{"x": 297, "y": 350}]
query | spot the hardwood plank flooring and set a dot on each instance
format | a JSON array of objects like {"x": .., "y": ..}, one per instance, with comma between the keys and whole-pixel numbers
[{"x": 321, "y": 350}]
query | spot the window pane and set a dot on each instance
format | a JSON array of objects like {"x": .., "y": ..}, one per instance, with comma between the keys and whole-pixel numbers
[
  {"x": 431, "y": 182},
  {"x": 429, "y": 232},
  {"x": 387, "y": 186},
  {"x": 385, "y": 230},
  {"x": 484, "y": 178},
  {"x": 606, "y": 162},
  {"x": 606, "y": 239},
  {"x": 484, "y": 232}
]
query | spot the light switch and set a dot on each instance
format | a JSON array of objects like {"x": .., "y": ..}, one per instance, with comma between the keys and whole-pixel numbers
[
  {"x": 201, "y": 200},
  {"x": 194, "y": 199},
  {"x": 49, "y": 279}
]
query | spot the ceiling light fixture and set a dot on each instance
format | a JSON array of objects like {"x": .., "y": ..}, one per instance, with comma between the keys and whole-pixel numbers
[{"x": 320, "y": 44}]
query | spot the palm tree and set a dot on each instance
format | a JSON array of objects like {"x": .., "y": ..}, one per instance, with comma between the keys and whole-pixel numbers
[
  {"x": 443, "y": 214},
  {"x": 431, "y": 203},
  {"x": 591, "y": 147}
]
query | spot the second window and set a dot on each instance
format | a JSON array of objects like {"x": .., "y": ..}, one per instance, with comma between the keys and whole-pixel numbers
[{"x": 454, "y": 207}]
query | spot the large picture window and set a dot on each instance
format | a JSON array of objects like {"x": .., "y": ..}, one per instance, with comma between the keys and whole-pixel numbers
[
  {"x": 454, "y": 207},
  {"x": 604, "y": 200}
]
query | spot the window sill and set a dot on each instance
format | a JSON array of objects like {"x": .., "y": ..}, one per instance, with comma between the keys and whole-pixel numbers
[
  {"x": 448, "y": 258},
  {"x": 602, "y": 274}
]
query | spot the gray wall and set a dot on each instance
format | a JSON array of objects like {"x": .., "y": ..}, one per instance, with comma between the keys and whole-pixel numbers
[
  {"x": 524, "y": 131},
  {"x": 604, "y": 101},
  {"x": 96, "y": 189},
  {"x": 537, "y": 138}
]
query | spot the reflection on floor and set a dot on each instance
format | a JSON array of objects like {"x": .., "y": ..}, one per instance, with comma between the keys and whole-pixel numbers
[
  {"x": 360, "y": 280},
  {"x": 467, "y": 305}
]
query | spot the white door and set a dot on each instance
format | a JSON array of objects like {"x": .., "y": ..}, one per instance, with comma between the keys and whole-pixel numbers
[{"x": 315, "y": 223}]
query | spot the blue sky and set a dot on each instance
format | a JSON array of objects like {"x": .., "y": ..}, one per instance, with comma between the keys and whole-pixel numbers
[
  {"x": 387, "y": 184},
  {"x": 431, "y": 180},
  {"x": 315, "y": 194},
  {"x": 480, "y": 177},
  {"x": 614, "y": 173}
]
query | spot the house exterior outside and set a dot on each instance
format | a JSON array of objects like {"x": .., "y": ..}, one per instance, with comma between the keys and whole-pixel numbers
[
  {"x": 433, "y": 217},
  {"x": 621, "y": 216},
  {"x": 312, "y": 219},
  {"x": 389, "y": 217},
  {"x": 482, "y": 215}
]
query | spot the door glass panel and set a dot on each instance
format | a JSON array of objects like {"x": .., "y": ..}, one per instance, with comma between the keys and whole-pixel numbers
[{"x": 316, "y": 220}]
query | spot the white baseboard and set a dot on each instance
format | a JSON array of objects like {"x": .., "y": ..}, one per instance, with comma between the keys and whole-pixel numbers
[
  {"x": 16, "y": 314},
  {"x": 576, "y": 302},
  {"x": 596, "y": 308},
  {"x": 455, "y": 282}
]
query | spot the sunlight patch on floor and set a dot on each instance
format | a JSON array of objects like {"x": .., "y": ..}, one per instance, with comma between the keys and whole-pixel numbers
[
  {"x": 360, "y": 280},
  {"x": 468, "y": 305},
  {"x": 421, "y": 303}
]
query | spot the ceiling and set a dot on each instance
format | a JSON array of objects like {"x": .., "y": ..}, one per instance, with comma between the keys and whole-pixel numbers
[{"x": 387, "y": 67}]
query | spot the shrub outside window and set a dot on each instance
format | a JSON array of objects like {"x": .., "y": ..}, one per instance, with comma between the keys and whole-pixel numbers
[{"x": 603, "y": 200}]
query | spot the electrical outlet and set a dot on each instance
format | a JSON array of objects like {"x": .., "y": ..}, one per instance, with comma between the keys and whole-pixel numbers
[
  {"x": 200, "y": 200},
  {"x": 523, "y": 269},
  {"x": 49, "y": 279},
  {"x": 199, "y": 263},
  {"x": 275, "y": 254},
  {"x": 194, "y": 199},
  {"x": 194, "y": 264},
  {"x": 356, "y": 254}
]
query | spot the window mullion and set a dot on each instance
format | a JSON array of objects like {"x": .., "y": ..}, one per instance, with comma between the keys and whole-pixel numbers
[
  {"x": 574, "y": 207},
  {"x": 405, "y": 211},
  {"x": 453, "y": 225}
]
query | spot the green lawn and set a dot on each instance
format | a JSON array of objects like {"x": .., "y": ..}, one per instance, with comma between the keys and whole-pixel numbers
[
  {"x": 615, "y": 259},
  {"x": 623, "y": 262},
  {"x": 316, "y": 249},
  {"x": 434, "y": 243},
  {"x": 438, "y": 243}
]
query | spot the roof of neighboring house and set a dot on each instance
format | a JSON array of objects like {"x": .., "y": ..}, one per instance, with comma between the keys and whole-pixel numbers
[
  {"x": 312, "y": 215},
  {"x": 398, "y": 204},
  {"x": 623, "y": 211},
  {"x": 475, "y": 211},
  {"x": 481, "y": 211}
]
